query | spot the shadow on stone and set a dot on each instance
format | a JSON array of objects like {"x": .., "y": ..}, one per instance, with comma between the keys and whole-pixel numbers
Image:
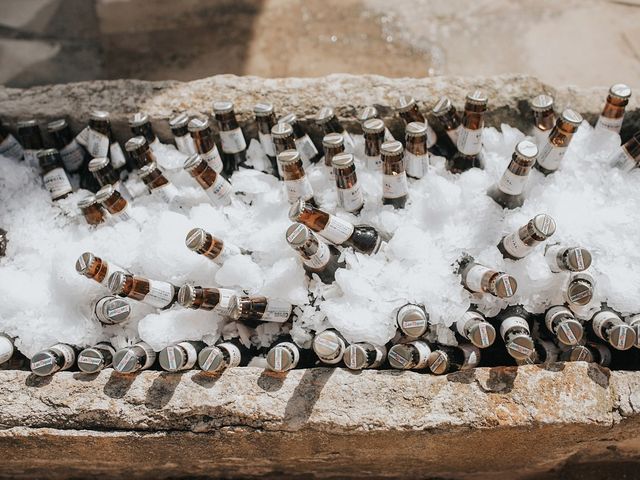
[
  {"x": 205, "y": 380},
  {"x": 599, "y": 374},
  {"x": 162, "y": 390},
  {"x": 118, "y": 385},
  {"x": 271, "y": 381},
  {"x": 306, "y": 394},
  {"x": 463, "y": 376},
  {"x": 501, "y": 379},
  {"x": 551, "y": 367},
  {"x": 85, "y": 377},
  {"x": 36, "y": 381}
]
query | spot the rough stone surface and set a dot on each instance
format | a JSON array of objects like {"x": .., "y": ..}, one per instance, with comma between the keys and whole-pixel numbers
[{"x": 323, "y": 422}]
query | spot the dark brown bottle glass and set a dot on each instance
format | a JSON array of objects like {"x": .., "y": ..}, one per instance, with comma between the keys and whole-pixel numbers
[
  {"x": 95, "y": 268},
  {"x": 349, "y": 192},
  {"x": 30, "y": 138},
  {"x": 395, "y": 189},
  {"x": 234, "y": 145},
  {"x": 521, "y": 243},
  {"x": 614, "y": 108},
  {"x": 217, "y": 188},
  {"x": 152, "y": 292},
  {"x": 544, "y": 117},
  {"x": 53, "y": 175},
  {"x": 296, "y": 183},
  {"x": 259, "y": 308},
  {"x": 304, "y": 144},
  {"x": 317, "y": 257},
  {"x": 470, "y": 134},
  {"x": 157, "y": 183},
  {"x": 553, "y": 149},
  {"x": 140, "y": 125},
  {"x": 203, "y": 298},
  {"x": 328, "y": 121},
  {"x": 73, "y": 155},
  {"x": 447, "y": 115},
  {"x": 373, "y": 140},
  {"x": 628, "y": 155},
  {"x": 103, "y": 171},
  {"x": 509, "y": 191},
  {"x": 202, "y": 135},
  {"x": 265, "y": 121},
  {"x": 416, "y": 154},
  {"x": 91, "y": 209},
  {"x": 139, "y": 151},
  {"x": 114, "y": 202}
]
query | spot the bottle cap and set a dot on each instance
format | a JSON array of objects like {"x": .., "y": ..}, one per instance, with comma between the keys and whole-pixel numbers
[
  {"x": 48, "y": 156},
  {"x": 526, "y": 149},
  {"x": 196, "y": 239},
  {"x": 105, "y": 192},
  {"x": 620, "y": 90},
  {"x": 198, "y": 124},
  {"x": 57, "y": 125},
  {"x": 91, "y": 360},
  {"x": 438, "y": 362},
  {"x": 289, "y": 118},
  {"x": 541, "y": 103},
  {"x": 578, "y": 259},
  {"x": 324, "y": 115},
  {"x": 98, "y": 163},
  {"x": 482, "y": 334},
  {"x": 262, "y": 109},
  {"x": 211, "y": 359},
  {"x": 477, "y": 97},
  {"x": 172, "y": 358},
  {"x": 44, "y": 363},
  {"x": 342, "y": 160},
  {"x": 27, "y": 124},
  {"x": 282, "y": 130},
  {"x": 87, "y": 201},
  {"x": 401, "y": 356},
  {"x": 375, "y": 125},
  {"x": 115, "y": 310},
  {"x": 544, "y": 226},
  {"x": 569, "y": 332},
  {"x": 405, "y": 103},
  {"x": 280, "y": 359},
  {"x": 138, "y": 118},
  {"x": 412, "y": 320},
  {"x": 224, "y": 106},
  {"x": 391, "y": 148},
  {"x": 505, "y": 285},
  {"x": 356, "y": 357},
  {"x": 520, "y": 346},
  {"x": 289, "y": 156},
  {"x": 367, "y": 113},
  {"x": 116, "y": 282},
  {"x": 136, "y": 143},
  {"x": 572, "y": 117},
  {"x": 332, "y": 140},
  {"x": 84, "y": 262},
  {"x": 297, "y": 234},
  {"x": 329, "y": 346},
  {"x": 416, "y": 129},
  {"x": 181, "y": 120},
  {"x": 147, "y": 169},
  {"x": 99, "y": 116},
  {"x": 579, "y": 291},
  {"x": 579, "y": 353},
  {"x": 187, "y": 295},
  {"x": 126, "y": 360},
  {"x": 442, "y": 107},
  {"x": 192, "y": 161},
  {"x": 622, "y": 336}
]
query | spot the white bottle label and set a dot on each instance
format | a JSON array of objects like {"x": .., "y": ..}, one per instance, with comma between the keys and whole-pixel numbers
[
  {"x": 602, "y": 319},
  {"x": 223, "y": 306},
  {"x": 551, "y": 257},
  {"x": 550, "y": 156},
  {"x": 374, "y": 162},
  {"x": 57, "y": 183},
  {"x": 473, "y": 279},
  {"x": 622, "y": 160},
  {"x": 72, "y": 156},
  {"x": 68, "y": 354},
  {"x": 220, "y": 191},
  {"x": 160, "y": 294},
  {"x": 423, "y": 354},
  {"x": 6, "y": 349},
  {"x": 469, "y": 141},
  {"x": 83, "y": 137},
  {"x": 512, "y": 184},
  {"x": 116, "y": 155},
  {"x": 453, "y": 135},
  {"x": 610, "y": 124},
  {"x": 232, "y": 141},
  {"x": 461, "y": 324},
  {"x": 471, "y": 356},
  {"x": 192, "y": 355},
  {"x": 351, "y": 199},
  {"x": 97, "y": 143},
  {"x": 235, "y": 355},
  {"x": 416, "y": 165},
  {"x": 298, "y": 189},
  {"x": 394, "y": 186},
  {"x": 513, "y": 322},
  {"x": 167, "y": 192},
  {"x": 276, "y": 311},
  {"x": 306, "y": 148},
  {"x": 214, "y": 159},
  {"x": 10, "y": 147},
  {"x": 337, "y": 231},
  {"x": 185, "y": 144},
  {"x": 150, "y": 355},
  {"x": 432, "y": 137},
  {"x": 320, "y": 258},
  {"x": 267, "y": 144},
  {"x": 514, "y": 245}
]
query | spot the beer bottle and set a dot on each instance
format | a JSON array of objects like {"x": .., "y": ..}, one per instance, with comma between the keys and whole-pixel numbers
[
  {"x": 30, "y": 138},
  {"x": 134, "y": 358},
  {"x": 563, "y": 325},
  {"x": 152, "y": 292},
  {"x": 73, "y": 155},
  {"x": 349, "y": 193},
  {"x": 140, "y": 125},
  {"x": 96, "y": 358},
  {"x": 234, "y": 146},
  {"x": 469, "y": 142},
  {"x": 179, "y": 126},
  {"x": 259, "y": 308},
  {"x": 53, "y": 175},
  {"x": 608, "y": 326},
  {"x": 213, "y": 248},
  {"x": 544, "y": 118},
  {"x": 613, "y": 112},
  {"x": 328, "y": 121},
  {"x": 9, "y": 146},
  {"x": 110, "y": 310},
  {"x": 157, "y": 183},
  {"x": 114, "y": 203},
  {"x": 521, "y": 243},
  {"x": 410, "y": 355},
  {"x": 304, "y": 144},
  {"x": 473, "y": 326},
  {"x": 395, "y": 190},
  {"x": 95, "y": 268},
  {"x": 265, "y": 121},
  {"x": 217, "y": 188},
  {"x": 552, "y": 150},
  {"x": 509, "y": 191},
  {"x": 217, "y": 358},
  {"x": 317, "y": 256},
  {"x": 373, "y": 140},
  {"x": 445, "y": 358},
  {"x": 412, "y": 320},
  {"x": 296, "y": 183},
  {"x": 416, "y": 154},
  {"x": 202, "y": 135},
  {"x": 332, "y": 144},
  {"x": 364, "y": 355},
  {"x": 213, "y": 299},
  {"x": 57, "y": 358},
  {"x": 180, "y": 356},
  {"x": 570, "y": 259},
  {"x": 329, "y": 346},
  {"x": 516, "y": 332},
  {"x": 627, "y": 157},
  {"x": 480, "y": 279}
]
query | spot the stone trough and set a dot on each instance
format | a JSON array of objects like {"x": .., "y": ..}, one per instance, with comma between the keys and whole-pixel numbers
[{"x": 569, "y": 420}]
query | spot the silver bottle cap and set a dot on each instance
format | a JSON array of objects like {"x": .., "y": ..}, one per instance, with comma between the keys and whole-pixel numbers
[
  {"x": 391, "y": 148},
  {"x": 505, "y": 285},
  {"x": 192, "y": 161},
  {"x": 105, "y": 193},
  {"x": 622, "y": 336},
  {"x": 181, "y": 120},
  {"x": 544, "y": 225},
  {"x": 541, "y": 103},
  {"x": 99, "y": 116},
  {"x": 477, "y": 97},
  {"x": 367, "y": 113},
  {"x": 572, "y": 117},
  {"x": 438, "y": 362},
  {"x": 332, "y": 140},
  {"x": 198, "y": 124},
  {"x": 578, "y": 259},
  {"x": 482, "y": 334},
  {"x": 195, "y": 239},
  {"x": 91, "y": 360},
  {"x": 135, "y": 143},
  {"x": 262, "y": 109},
  {"x": 282, "y": 130},
  {"x": 116, "y": 282},
  {"x": 115, "y": 310},
  {"x": 400, "y": 356},
  {"x": 57, "y": 125},
  {"x": 98, "y": 163},
  {"x": 211, "y": 359},
  {"x": 224, "y": 106},
  {"x": 172, "y": 358},
  {"x": 126, "y": 360},
  {"x": 416, "y": 129},
  {"x": 526, "y": 149},
  {"x": 297, "y": 234},
  {"x": 44, "y": 363},
  {"x": 342, "y": 160},
  {"x": 520, "y": 346},
  {"x": 328, "y": 345},
  {"x": 187, "y": 295},
  {"x": 375, "y": 125},
  {"x": 356, "y": 357},
  {"x": 84, "y": 262},
  {"x": 138, "y": 118},
  {"x": 87, "y": 201},
  {"x": 579, "y": 291},
  {"x": 285, "y": 357},
  {"x": 289, "y": 156},
  {"x": 620, "y": 90},
  {"x": 442, "y": 107},
  {"x": 31, "y": 123},
  {"x": 404, "y": 103},
  {"x": 412, "y": 320},
  {"x": 288, "y": 118},
  {"x": 569, "y": 332},
  {"x": 324, "y": 115},
  {"x": 579, "y": 353}
]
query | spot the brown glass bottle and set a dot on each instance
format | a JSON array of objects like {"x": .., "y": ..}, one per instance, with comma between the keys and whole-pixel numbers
[
  {"x": 95, "y": 268},
  {"x": 157, "y": 183},
  {"x": 553, "y": 149},
  {"x": 53, "y": 175},
  {"x": 296, "y": 183},
  {"x": 91, "y": 209},
  {"x": 408, "y": 110},
  {"x": 265, "y": 121},
  {"x": 567, "y": 259},
  {"x": 395, "y": 189},
  {"x": 139, "y": 151},
  {"x": 364, "y": 355},
  {"x": 544, "y": 117},
  {"x": 179, "y": 126},
  {"x": 416, "y": 154},
  {"x": 521, "y": 243},
  {"x": 317, "y": 257},
  {"x": 613, "y": 112},
  {"x": 203, "y": 298},
  {"x": 373, "y": 140},
  {"x": 283, "y": 139},
  {"x": 103, "y": 171},
  {"x": 409, "y": 355},
  {"x": 470, "y": 134},
  {"x": 202, "y": 135},
  {"x": 509, "y": 191},
  {"x": 9, "y": 145},
  {"x": 203, "y": 243},
  {"x": 101, "y": 142},
  {"x": 480, "y": 279},
  {"x": 447, "y": 358},
  {"x": 628, "y": 155},
  {"x": 96, "y": 358},
  {"x": 363, "y": 238},
  {"x": 368, "y": 113},
  {"x": 73, "y": 155},
  {"x": 152, "y": 292},
  {"x": 259, "y": 308},
  {"x": 349, "y": 192},
  {"x": 234, "y": 146},
  {"x": 30, "y": 138},
  {"x": 328, "y": 121},
  {"x": 134, "y": 358},
  {"x": 515, "y": 331},
  {"x": 304, "y": 144},
  {"x": 140, "y": 125},
  {"x": 217, "y": 188},
  {"x": 608, "y": 326},
  {"x": 332, "y": 144},
  {"x": 113, "y": 202},
  {"x": 447, "y": 115},
  {"x": 563, "y": 325}
]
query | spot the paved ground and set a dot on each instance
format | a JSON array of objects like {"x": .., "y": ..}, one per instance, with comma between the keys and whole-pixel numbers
[{"x": 583, "y": 42}]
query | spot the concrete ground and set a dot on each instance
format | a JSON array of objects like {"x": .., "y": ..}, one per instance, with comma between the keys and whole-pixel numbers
[{"x": 582, "y": 42}]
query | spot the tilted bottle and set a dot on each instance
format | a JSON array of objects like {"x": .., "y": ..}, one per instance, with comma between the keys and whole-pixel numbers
[
  {"x": 259, "y": 308},
  {"x": 627, "y": 157},
  {"x": 521, "y": 243},
  {"x": 590, "y": 352},
  {"x": 579, "y": 289},
  {"x": 157, "y": 183},
  {"x": 96, "y": 268},
  {"x": 409, "y": 355},
  {"x": 395, "y": 189},
  {"x": 140, "y": 125},
  {"x": 96, "y": 358},
  {"x": 480, "y": 279},
  {"x": 215, "y": 249},
  {"x": 213, "y": 299},
  {"x": 139, "y": 151},
  {"x": 613, "y": 112},
  {"x": 561, "y": 258},
  {"x": 304, "y": 144},
  {"x": 217, "y": 358},
  {"x": 448, "y": 116},
  {"x": 53, "y": 175},
  {"x": 515, "y": 331},
  {"x": 234, "y": 145},
  {"x": 114, "y": 203},
  {"x": 217, "y": 188},
  {"x": 509, "y": 191},
  {"x": 9, "y": 145},
  {"x": 544, "y": 353},
  {"x": 412, "y": 320},
  {"x": 179, "y": 125},
  {"x": 134, "y": 358},
  {"x": 473, "y": 326},
  {"x": 608, "y": 326},
  {"x": 329, "y": 346},
  {"x": 446, "y": 358},
  {"x": 563, "y": 325},
  {"x": 469, "y": 142},
  {"x": 328, "y": 121},
  {"x": 73, "y": 155},
  {"x": 553, "y": 149},
  {"x": 110, "y": 310},
  {"x": 317, "y": 257},
  {"x": 30, "y": 138},
  {"x": 265, "y": 121},
  {"x": 364, "y": 355},
  {"x": 285, "y": 355},
  {"x": 368, "y": 113},
  {"x": 156, "y": 293},
  {"x": 101, "y": 142},
  {"x": 180, "y": 356},
  {"x": 59, "y": 357},
  {"x": 200, "y": 130}
]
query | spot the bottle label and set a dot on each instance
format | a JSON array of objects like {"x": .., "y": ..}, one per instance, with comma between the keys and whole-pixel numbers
[
  {"x": 306, "y": 148},
  {"x": 514, "y": 245},
  {"x": 6, "y": 349},
  {"x": 423, "y": 354},
  {"x": 319, "y": 259},
  {"x": 610, "y": 124},
  {"x": 277, "y": 364},
  {"x": 185, "y": 144},
  {"x": 192, "y": 355},
  {"x": 550, "y": 156},
  {"x": 149, "y": 353},
  {"x": 171, "y": 357},
  {"x": 267, "y": 144},
  {"x": 235, "y": 355},
  {"x": 351, "y": 199},
  {"x": 432, "y": 136},
  {"x": 374, "y": 162},
  {"x": 83, "y": 137},
  {"x": 276, "y": 311},
  {"x": 512, "y": 184},
  {"x": 381, "y": 355},
  {"x": 31, "y": 157},
  {"x": 395, "y": 186},
  {"x": 220, "y": 191},
  {"x": 298, "y": 189},
  {"x": 551, "y": 257},
  {"x": 471, "y": 356},
  {"x": 116, "y": 155},
  {"x": 72, "y": 156},
  {"x": 348, "y": 140},
  {"x": 167, "y": 192},
  {"x": 68, "y": 354},
  {"x": 57, "y": 182},
  {"x": 232, "y": 141},
  {"x": 469, "y": 141},
  {"x": 224, "y": 306},
  {"x": 124, "y": 214},
  {"x": 97, "y": 143},
  {"x": 160, "y": 294},
  {"x": 10, "y": 147},
  {"x": 453, "y": 135},
  {"x": 416, "y": 164},
  {"x": 473, "y": 279},
  {"x": 89, "y": 360},
  {"x": 513, "y": 322},
  {"x": 213, "y": 158},
  {"x": 42, "y": 363},
  {"x": 601, "y": 320},
  {"x": 337, "y": 231},
  {"x": 622, "y": 160}
]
